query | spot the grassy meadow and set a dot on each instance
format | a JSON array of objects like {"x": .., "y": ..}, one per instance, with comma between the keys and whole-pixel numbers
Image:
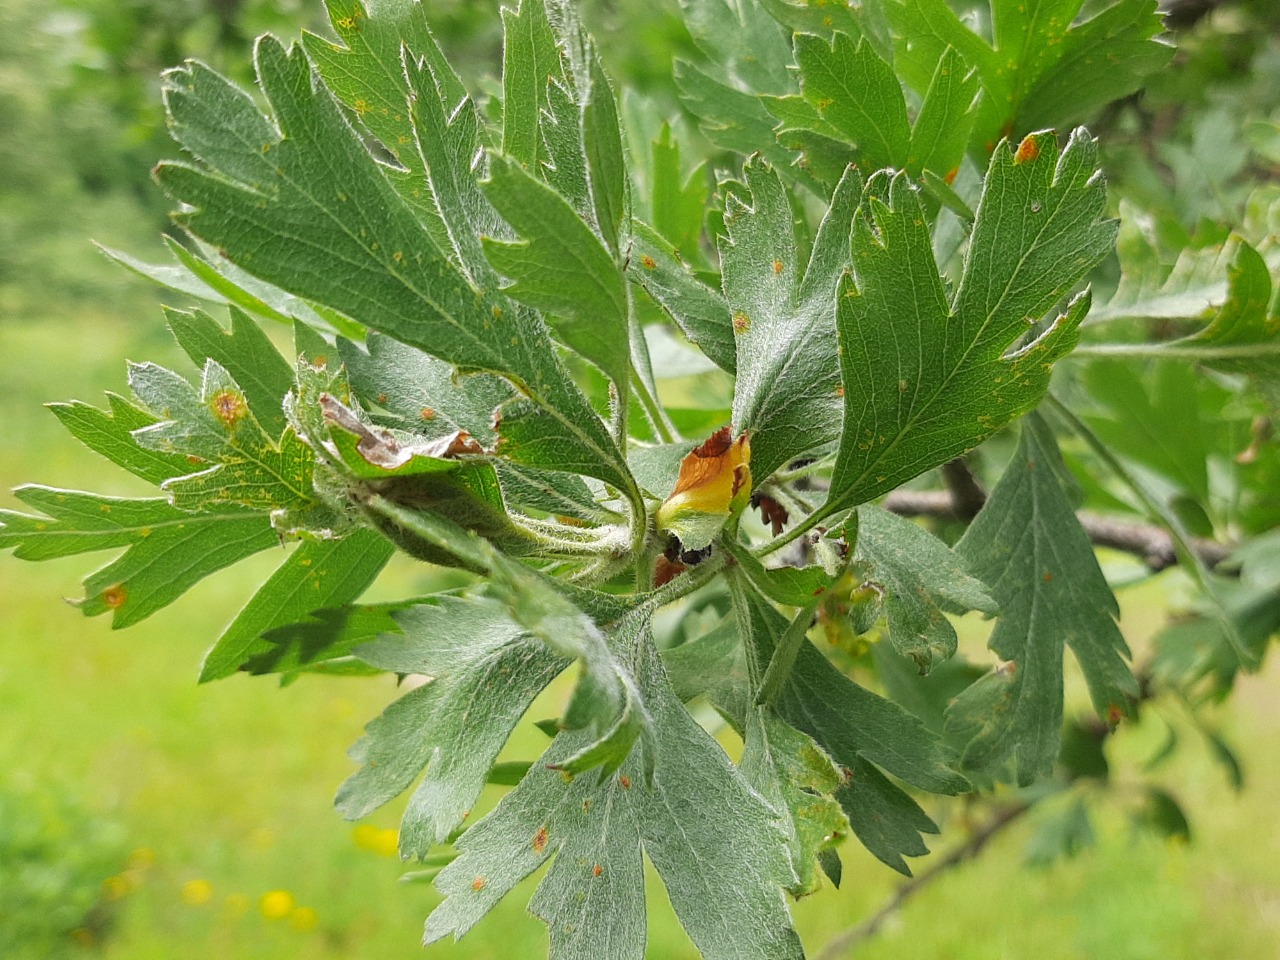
[{"x": 216, "y": 800}]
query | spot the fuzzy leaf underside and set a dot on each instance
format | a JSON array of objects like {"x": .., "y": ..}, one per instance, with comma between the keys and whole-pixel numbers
[
  {"x": 724, "y": 872},
  {"x": 1027, "y": 544}
]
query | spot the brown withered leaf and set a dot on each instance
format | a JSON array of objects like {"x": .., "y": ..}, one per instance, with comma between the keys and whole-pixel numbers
[{"x": 383, "y": 450}]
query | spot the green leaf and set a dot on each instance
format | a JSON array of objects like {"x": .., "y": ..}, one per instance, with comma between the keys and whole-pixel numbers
[
  {"x": 314, "y": 186},
  {"x": 216, "y": 424},
  {"x": 919, "y": 575},
  {"x": 1044, "y": 68},
  {"x": 1063, "y": 834},
  {"x": 111, "y": 434},
  {"x": 530, "y": 59},
  {"x": 169, "y": 551},
  {"x": 743, "y": 41},
  {"x": 245, "y": 353},
  {"x": 928, "y": 375},
  {"x": 797, "y": 779},
  {"x": 678, "y": 202},
  {"x": 607, "y": 701},
  {"x": 211, "y": 278},
  {"x": 484, "y": 671},
  {"x": 417, "y": 392},
  {"x": 1028, "y": 546},
  {"x": 857, "y": 729},
  {"x": 1246, "y": 328},
  {"x": 699, "y": 311},
  {"x": 560, "y": 266},
  {"x": 449, "y": 138},
  {"x": 592, "y": 897},
  {"x": 856, "y": 92},
  {"x": 731, "y": 119},
  {"x": 793, "y": 586},
  {"x": 367, "y": 72},
  {"x": 606, "y": 166},
  {"x": 786, "y": 394},
  {"x": 941, "y": 129},
  {"x": 323, "y": 636},
  {"x": 1166, "y": 417},
  {"x": 1164, "y": 815},
  {"x": 559, "y": 494},
  {"x": 318, "y": 574}
]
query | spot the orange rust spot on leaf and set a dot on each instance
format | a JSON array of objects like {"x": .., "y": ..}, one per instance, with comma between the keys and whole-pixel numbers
[
  {"x": 950, "y": 178},
  {"x": 1047, "y": 576},
  {"x": 647, "y": 262},
  {"x": 540, "y": 840},
  {"x": 114, "y": 596},
  {"x": 840, "y": 390},
  {"x": 229, "y": 407},
  {"x": 777, "y": 267},
  {"x": 1114, "y": 714},
  {"x": 1028, "y": 150},
  {"x": 625, "y": 781},
  {"x": 597, "y": 870},
  {"x": 478, "y": 884},
  {"x": 426, "y": 413},
  {"x": 382, "y": 398},
  {"x": 741, "y": 322}
]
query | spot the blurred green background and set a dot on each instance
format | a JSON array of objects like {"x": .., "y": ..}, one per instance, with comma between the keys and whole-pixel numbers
[{"x": 142, "y": 816}]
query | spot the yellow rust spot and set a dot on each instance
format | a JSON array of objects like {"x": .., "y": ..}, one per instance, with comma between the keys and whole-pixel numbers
[
  {"x": 105, "y": 507},
  {"x": 229, "y": 406},
  {"x": 540, "y": 840},
  {"x": 361, "y": 106},
  {"x": 321, "y": 361},
  {"x": 426, "y": 413},
  {"x": 777, "y": 267},
  {"x": 1028, "y": 150},
  {"x": 497, "y": 313},
  {"x": 741, "y": 322},
  {"x": 114, "y": 596},
  {"x": 647, "y": 262},
  {"x": 478, "y": 884},
  {"x": 398, "y": 257}
]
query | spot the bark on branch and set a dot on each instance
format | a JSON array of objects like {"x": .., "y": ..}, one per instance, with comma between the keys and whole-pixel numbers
[
  {"x": 1151, "y": 544},
  {"x": 840, "y": 945}
]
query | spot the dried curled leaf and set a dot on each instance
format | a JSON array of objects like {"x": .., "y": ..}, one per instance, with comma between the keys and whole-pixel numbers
[{"x": 714, "y": 484}]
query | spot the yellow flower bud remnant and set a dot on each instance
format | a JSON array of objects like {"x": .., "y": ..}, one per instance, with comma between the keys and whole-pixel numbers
[{"x": 714, "y": 485}]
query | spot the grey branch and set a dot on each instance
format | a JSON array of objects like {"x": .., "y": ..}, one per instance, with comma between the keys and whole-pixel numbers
[
  {"x": 1150, "y": 543},
  {"x": 842, "y": 943}
]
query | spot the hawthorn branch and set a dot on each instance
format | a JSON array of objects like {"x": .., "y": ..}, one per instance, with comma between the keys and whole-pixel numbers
[
  {"x": 1150, "y": 543},
  {"x": 842, "y": 943}
]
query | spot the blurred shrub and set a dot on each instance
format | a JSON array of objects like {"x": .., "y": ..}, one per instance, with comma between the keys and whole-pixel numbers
[{"x": 61, "y": 872}]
